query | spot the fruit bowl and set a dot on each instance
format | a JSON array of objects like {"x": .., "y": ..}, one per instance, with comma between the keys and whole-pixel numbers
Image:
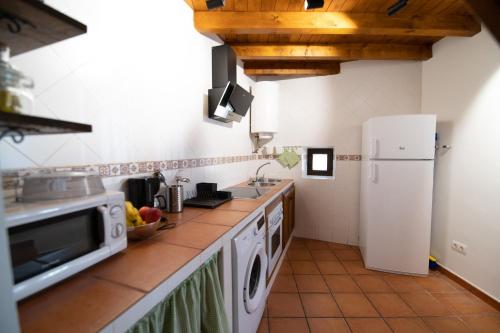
[{"x": 143, "y": 231}]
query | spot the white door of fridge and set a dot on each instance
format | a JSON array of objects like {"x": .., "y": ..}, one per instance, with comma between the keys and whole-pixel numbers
[
  {"x": 400, "y": 137},
  {"x": 396, "y": 210}
]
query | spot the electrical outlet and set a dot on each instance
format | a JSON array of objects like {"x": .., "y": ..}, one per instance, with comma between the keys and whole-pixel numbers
[{"x": 459, "y": 247}]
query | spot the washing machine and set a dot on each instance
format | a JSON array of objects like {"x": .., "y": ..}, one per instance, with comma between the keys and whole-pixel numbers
[{"x": 249, "y": 261}]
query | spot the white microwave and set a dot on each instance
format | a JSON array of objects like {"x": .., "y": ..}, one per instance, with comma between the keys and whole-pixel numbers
[{"x": 54, "y": 239}]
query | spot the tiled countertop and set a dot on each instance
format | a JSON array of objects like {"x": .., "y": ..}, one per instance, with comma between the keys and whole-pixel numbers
[{"x": 94, "y": 298}]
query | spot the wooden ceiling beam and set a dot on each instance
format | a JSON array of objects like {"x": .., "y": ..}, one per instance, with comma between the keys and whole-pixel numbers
[
  {"x": 287, "y": 68},
  {"x": 342, "y": 23},
  {"x": 330, "y": 52}
]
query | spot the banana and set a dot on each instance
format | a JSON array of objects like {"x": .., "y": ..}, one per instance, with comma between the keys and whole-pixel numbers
[{"x": 134, "y": 219}]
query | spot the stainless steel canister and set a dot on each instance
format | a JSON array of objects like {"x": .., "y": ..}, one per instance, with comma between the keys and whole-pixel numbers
[{"x": 176, "y": 198}]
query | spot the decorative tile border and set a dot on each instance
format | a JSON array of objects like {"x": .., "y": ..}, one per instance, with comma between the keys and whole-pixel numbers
[
  {"x": 338, "y": 157},
  {"x": 348, "y": 157},
  {"x": 10, "y": 177}
]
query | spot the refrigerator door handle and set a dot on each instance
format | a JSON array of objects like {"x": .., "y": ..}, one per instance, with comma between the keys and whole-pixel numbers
[
  {"x": 373, "y": 147},
  {"x": 373, "y": 174}
]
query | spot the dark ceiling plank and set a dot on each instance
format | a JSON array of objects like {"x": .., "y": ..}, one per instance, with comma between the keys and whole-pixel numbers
[
  {"x": 254, "y": 5},
  {"x": 241, "y": 5},
  {"x": 281, "y": 5},
  {"x": 267, "y": 5},
  {"x": 333, "y": 23},
  {"x": 336, "y": 5},
  {"x": 229, "y": 6},
  {"x": 295, "y": 5}
]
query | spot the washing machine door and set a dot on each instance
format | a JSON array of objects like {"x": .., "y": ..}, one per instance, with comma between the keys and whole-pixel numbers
[{"x": 255, "y": 279}]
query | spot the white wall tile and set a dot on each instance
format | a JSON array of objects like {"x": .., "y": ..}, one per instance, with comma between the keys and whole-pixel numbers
[
  {"x": 44, "y": 66},
  {"x": 72, "y": 152},
  {"x": 16, "y": 158}
]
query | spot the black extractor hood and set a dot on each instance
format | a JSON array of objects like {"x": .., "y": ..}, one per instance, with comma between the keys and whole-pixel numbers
[{"x": 227, "y": 101}]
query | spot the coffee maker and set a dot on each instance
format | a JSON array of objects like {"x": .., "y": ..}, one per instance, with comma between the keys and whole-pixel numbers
[{"x": 147, "y": 191}]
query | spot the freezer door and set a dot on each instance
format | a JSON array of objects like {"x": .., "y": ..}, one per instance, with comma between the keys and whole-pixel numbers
[
  {"x": 400, "y": 137},
  {"x": 396, "y": 209}
]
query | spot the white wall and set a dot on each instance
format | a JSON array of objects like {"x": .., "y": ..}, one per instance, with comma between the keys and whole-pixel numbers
[
  {"x": 140, "y": 76},
  {"x": 461, "y": 84},
  {"x": 329, "y": 111}
]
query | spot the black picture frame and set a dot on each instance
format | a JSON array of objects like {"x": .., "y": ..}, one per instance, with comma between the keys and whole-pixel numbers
[{"x": 323, "y": 151}]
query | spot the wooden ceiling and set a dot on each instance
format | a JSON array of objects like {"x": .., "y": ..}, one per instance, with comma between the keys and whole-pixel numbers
[{"x": 279, "y": 37}]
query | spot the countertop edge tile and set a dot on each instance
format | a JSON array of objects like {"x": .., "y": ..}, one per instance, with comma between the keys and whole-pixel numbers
[
  {"x": 207, "y": 218},
  {"x": 139, "y": 309},
  {"x": 104, "y": 270},
  {"x": 99, "y": 287},
  {"x": 191, "y": 244}
]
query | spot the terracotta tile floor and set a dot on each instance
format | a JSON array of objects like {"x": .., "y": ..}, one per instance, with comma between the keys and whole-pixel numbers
[{"x": 324, "y": 287}]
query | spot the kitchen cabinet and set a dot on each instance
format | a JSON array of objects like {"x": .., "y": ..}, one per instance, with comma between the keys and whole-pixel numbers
[{"x": 288, "y": 214}]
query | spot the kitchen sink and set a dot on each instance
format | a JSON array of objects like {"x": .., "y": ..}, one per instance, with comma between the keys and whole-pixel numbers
[
  {"x": 247, "y": 192},
  {"x": 261, "y": 184}
]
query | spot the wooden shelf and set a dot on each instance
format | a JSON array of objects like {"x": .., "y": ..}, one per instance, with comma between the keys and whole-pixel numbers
[
  {"x": 22, "y": 125},
  {"x": 39, "y": 25}
]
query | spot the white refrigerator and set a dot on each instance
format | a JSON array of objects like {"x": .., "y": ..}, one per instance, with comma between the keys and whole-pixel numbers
[{"x": 396, "y": 193}]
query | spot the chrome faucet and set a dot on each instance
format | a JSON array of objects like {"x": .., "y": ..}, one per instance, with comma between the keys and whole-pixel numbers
[{"x": 258, "y": 169}]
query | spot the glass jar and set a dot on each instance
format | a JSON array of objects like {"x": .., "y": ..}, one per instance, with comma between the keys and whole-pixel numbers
[{"x": 16, "y": 89}]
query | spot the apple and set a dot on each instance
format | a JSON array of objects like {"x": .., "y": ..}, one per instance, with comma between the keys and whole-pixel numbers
[
  {"x": 153, "y": 215},
  {"x": 144, "y": 211}
]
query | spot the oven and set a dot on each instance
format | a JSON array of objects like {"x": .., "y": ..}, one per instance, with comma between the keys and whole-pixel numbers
[
  {"x": 52, "y": 240},
  {"x": 275, "y": 237}
]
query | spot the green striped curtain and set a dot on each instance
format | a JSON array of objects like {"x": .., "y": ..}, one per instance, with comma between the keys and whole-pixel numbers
[{"x": 196, "y": 305}]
